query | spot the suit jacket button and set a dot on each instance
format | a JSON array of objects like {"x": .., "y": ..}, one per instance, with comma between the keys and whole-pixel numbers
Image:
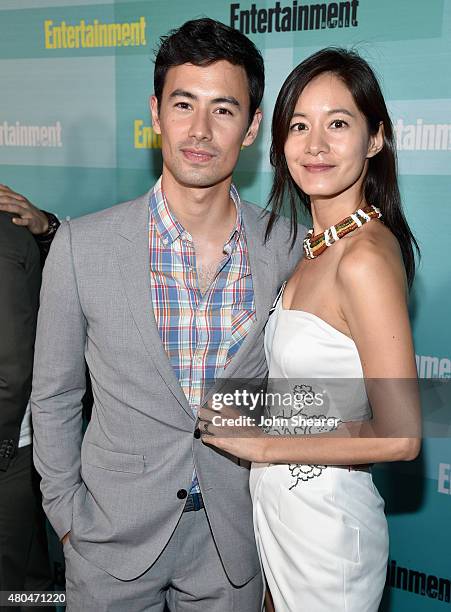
[
  {"x": 197, "y": 433},
  {"x": 182, "y": 493}
]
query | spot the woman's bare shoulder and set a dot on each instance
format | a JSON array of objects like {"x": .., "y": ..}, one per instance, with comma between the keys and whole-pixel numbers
[{"x": 371, "y": 255}]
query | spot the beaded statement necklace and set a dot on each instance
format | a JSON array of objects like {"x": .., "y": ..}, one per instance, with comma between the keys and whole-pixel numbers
[{"x": 315, "y": 245}]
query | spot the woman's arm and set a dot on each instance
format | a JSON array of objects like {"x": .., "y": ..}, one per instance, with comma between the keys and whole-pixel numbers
[{"x": 371, "y": 290}]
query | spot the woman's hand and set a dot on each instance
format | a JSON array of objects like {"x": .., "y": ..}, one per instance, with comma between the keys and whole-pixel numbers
[{"x": 233, "y": 432}]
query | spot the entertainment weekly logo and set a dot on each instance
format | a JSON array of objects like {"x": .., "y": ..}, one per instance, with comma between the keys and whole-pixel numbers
[
  {"x": 17, "y": 134},
  {"x": 294, "y": 16},
  {"x": 430, "y": 366},
  {"x": 422, "y": 136},
  {"x": 444, "y": 479},
  {"x": 418, "y": 583},
  {"x": 85, "y": 35}
]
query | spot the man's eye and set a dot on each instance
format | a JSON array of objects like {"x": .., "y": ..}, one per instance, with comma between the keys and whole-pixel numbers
[
  {"x": 183, "y": 105},
  {"x": 223, "y": 111},
  {"x": 339, "y": 123},
  {"x": 298, "y": 127}
]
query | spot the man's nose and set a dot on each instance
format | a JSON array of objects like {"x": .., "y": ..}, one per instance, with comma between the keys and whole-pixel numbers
[{"x": 200, "y": 127}]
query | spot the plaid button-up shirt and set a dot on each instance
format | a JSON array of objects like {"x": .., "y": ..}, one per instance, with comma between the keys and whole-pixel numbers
[{"x": 200, "y": 332}]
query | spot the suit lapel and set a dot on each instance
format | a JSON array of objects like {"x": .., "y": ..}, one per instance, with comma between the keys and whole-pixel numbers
[{"x": 132, "y": 250}]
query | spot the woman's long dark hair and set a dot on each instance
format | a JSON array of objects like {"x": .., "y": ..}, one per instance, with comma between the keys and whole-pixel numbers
[{"x": 380, "y": 185}]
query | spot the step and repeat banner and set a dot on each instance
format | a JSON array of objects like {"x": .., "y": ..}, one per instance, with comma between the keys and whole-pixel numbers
[{"x": 75, "y": 137}]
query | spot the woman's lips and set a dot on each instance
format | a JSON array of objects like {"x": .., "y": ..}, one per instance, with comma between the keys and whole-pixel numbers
[
  {"x": 197, "y": 156},
  {"x": 315, "y": 168}
]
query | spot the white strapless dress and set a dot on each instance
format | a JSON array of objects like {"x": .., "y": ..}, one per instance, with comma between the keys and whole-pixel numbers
[{"x": 321, "y": 531}]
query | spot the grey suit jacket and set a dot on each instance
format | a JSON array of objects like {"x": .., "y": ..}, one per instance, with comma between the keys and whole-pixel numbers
[{"x": 116, "y": 490}]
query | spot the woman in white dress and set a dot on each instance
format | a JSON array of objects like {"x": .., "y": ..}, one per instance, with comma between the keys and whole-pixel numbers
[{"x": 340, "y": 319}]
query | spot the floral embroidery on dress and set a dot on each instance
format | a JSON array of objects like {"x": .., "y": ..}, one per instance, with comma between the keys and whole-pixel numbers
[
  {"x": 296, "y": 417},
  {"x": 303, "y": 473}
]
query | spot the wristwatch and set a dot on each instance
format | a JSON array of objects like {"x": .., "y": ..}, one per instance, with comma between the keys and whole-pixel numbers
[
  {"x": 45, "y": 240},
  {"x": 53, "y": 226}
]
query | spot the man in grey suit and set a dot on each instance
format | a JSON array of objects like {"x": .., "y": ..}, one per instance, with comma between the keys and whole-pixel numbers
[{"x": 166, "y": 296}]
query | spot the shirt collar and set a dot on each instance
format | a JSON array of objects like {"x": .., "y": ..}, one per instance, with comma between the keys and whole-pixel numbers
[
  {"x": 170, "y": 229},
  {"x": 236, "y": 232},
  {"x": 167, "y": 225}
]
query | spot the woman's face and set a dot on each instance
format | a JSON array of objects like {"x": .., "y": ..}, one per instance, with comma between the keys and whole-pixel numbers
[{"x": 328, "y": 142}]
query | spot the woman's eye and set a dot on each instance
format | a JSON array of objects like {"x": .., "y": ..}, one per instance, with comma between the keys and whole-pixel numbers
[{"x": 298, "y": 127}]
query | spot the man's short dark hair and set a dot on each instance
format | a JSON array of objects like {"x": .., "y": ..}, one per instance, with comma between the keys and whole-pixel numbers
[{"x": 204, "y": 41}]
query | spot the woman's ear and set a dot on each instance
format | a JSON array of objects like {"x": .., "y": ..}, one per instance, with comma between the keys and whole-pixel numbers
[{"x": 376, "y": 143}]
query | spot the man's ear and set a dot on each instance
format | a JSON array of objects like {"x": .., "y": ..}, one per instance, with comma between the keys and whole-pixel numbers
[
  {"x": 252, "y": 130},
  {"x": 153, "y": 105},
  {"x": 376, "y": 141}
]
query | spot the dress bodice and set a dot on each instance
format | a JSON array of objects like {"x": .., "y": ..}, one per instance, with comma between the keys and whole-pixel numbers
[{"x": 305, "y": 352}]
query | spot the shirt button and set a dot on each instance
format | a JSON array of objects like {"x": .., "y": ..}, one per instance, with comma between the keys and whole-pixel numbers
[
  {"x": 165, "y": 240},
  {"x": 182, "y": 493},
  {"x": 197, "y": 433}
]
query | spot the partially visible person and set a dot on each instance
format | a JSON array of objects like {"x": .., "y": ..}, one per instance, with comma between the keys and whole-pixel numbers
[
  {"x": 24, "y": 554},
  {"x": 42, "y": 224},
  {"x": 340, "y": 323},
  {"x": 24, "y": 562}
]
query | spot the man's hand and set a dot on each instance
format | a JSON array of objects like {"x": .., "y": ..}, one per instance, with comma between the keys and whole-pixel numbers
[{"x": 28, "y": 215}]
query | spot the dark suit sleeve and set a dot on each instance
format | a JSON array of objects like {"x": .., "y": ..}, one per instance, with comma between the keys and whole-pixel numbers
[
  {"x": 44, "y": 241},
  {"x": 19, "y": 295}
]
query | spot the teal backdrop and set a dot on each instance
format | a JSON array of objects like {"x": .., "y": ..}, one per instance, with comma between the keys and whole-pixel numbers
[{"x": 75, "y": 137}]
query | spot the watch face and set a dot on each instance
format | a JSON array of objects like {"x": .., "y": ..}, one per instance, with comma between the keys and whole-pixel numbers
[{"x": 53, "y": 223}]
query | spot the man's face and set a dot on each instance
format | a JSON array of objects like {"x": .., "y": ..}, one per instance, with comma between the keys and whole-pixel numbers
[{"x": 203, "y": 119}]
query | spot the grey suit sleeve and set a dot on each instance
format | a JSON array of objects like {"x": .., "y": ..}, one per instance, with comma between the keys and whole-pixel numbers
[
  {"x": 295, "y": 253},
  {"x": 59, "y": 384}
]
